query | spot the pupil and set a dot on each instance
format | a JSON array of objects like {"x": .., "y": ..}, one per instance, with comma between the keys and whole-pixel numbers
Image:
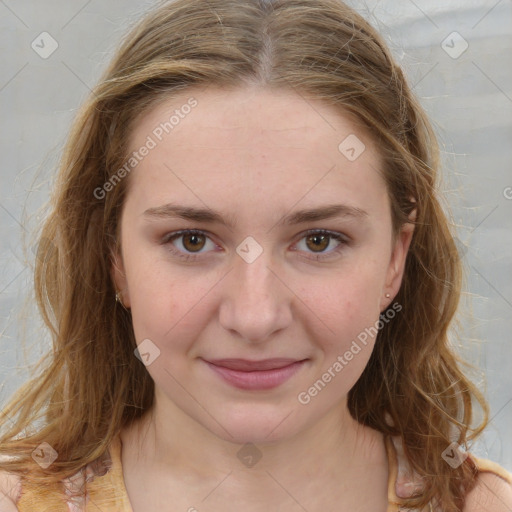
[
  {"x": 193, "y": 240},
  {"x": 319, "y": 240}
]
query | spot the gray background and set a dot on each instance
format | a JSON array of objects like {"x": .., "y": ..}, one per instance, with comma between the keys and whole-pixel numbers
[{"x": 468, "y": 96}]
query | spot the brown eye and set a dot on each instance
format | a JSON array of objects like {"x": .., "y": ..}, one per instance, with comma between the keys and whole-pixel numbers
[
  {"x": 318, "y": 242},
  {"x": 188, "y": 244},
  {"x": 193, "y": 242}
]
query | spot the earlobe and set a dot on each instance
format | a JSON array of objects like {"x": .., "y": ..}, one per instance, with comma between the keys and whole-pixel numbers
[
  {"x": 396, "y": 266},
  {"x": 119, "y": 278}
]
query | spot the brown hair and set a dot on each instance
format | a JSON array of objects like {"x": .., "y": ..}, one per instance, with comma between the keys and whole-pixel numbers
[{"x": 320, "y": 48}]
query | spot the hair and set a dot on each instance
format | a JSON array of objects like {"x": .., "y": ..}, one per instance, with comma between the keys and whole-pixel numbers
[{"x": 319, "y": 48}]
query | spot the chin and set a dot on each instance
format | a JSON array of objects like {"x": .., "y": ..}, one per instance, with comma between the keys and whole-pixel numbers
[{"x": 253, "y": 424}]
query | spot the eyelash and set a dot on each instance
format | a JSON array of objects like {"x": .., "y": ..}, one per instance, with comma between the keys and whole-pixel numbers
[{"x": 194, "y": 257}]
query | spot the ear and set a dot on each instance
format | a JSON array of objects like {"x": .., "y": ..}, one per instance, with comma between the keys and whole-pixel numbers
[
  {"x": 119, "y": 276},
  {"x": 396, "y": 265}
]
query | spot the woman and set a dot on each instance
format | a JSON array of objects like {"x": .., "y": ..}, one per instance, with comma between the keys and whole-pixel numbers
[{"x": 249, "y": 280}]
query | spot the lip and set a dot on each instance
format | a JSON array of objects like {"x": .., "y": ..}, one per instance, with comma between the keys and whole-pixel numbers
[{"x": 256, "y": 375}]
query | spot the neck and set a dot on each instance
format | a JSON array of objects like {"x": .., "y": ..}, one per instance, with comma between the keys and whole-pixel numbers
[{"x": 336, "y": 448}]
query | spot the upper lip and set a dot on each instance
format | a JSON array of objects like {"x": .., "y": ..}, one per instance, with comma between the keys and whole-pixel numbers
[{"x": 247, "y": 365}]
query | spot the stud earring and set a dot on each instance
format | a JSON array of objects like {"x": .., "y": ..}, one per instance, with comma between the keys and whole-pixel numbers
[
  {"x": 388, "y": 295},
  {"x": 120, "y": 300}
]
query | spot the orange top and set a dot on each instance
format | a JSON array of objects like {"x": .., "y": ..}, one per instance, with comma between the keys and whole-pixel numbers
[{"x": 106, "y": 492}]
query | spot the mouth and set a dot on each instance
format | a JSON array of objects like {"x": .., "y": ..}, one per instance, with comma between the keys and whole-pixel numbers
[{"x": 255, "y": 375}]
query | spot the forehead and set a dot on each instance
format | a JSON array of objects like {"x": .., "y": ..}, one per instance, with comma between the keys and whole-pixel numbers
[
  {"x": 254, "y": 142},
  {"x": 237, "y": 115}
]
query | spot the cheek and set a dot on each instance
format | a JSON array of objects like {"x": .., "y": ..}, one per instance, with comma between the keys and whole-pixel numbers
[
  {"x": 167, "y": 307},
  {"x": 347, "y": 302},
  {"x": 348, "y": 307}
]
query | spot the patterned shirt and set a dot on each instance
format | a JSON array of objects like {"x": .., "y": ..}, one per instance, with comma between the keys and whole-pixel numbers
[{"x": 105, "y": 489}]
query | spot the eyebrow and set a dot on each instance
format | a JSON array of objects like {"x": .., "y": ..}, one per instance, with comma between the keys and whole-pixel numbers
[{"x": 330, "y": 211}]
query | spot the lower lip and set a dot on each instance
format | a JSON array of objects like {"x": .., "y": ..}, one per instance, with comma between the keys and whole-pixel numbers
[{"x": 262, "y": 379}]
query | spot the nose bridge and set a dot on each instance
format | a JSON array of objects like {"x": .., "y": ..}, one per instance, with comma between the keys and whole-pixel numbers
[
  {"x": 255, "y": 303},
  {"x": 255, "y": 277}
]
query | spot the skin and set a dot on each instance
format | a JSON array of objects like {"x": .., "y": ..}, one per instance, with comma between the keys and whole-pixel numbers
[
  {"x": 255, "y": 155},
  {"x": 237, "y": 152},
  {"x": 298, "y": 307}
]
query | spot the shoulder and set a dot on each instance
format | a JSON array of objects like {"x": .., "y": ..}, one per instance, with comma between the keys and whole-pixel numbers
[
  {"x": 23, "y": 495},
  {"x": 71, "y": 493},
  {"x": 492, "y": 493},
  {"x": 10, "y": 491}
]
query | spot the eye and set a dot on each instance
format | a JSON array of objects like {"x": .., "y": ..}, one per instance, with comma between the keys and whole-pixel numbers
[
  {"x": 321, "y": 239},
  {"x": 194, "y": 240}
]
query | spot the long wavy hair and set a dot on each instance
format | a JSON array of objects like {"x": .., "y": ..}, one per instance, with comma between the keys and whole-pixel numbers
[{"x": 90, "y": 385}]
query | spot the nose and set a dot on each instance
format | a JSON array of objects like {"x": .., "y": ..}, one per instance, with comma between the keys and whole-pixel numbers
[{"x": 255, "y": 302}]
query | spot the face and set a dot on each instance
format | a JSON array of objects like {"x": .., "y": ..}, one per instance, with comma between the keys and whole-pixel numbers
[{"x": 253, "y": 310}]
